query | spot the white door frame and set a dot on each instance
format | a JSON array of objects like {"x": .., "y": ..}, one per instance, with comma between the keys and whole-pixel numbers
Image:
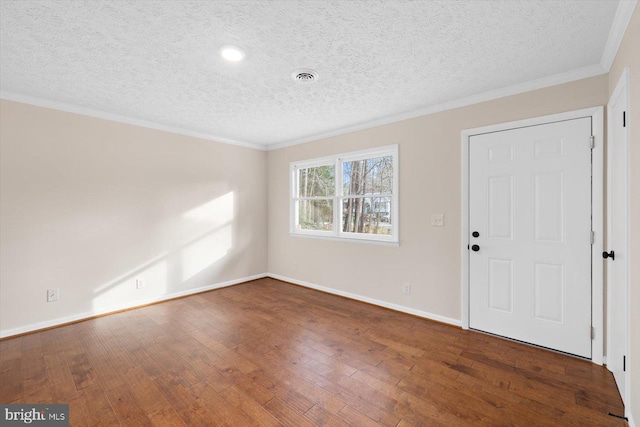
[
  {"x": 623, "y": 84},
  {"x": 597, "y": 218}
]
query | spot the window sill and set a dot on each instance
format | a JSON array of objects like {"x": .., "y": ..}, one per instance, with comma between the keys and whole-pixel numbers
[{"x": 347, "y": 239}]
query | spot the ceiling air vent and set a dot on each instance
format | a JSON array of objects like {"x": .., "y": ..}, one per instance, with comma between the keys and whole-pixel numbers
[{"x": 305, "y": 75}]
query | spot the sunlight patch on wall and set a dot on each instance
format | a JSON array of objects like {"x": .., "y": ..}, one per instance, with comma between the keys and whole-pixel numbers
[
  {"x": 217, "y": 212},
  {"x": 206, "y": 251},
  {"x": 204, "y": 237},
  {"x": 119, "y": 292},
  {"x": 213, "y": 245}
]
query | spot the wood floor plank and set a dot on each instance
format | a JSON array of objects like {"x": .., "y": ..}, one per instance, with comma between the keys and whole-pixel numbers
[
  {"x": 126, "y": 406},
  {"x": 11, "y": 385},
  {"x": 426, "y": 411},
  {"x": 356, "y": 418},
  {"x": 185, "y": 404},
  {"x": 108, "y": 374},
  {"x": 60, "y": 378},
  {"x": 354, "y": 398},
  {"x": 10, "y": 349},
  {"x": 285, "y": 391},
  {"x": 221, "y": 410},
  {"x": 444, "y": 396},
  {"x": 231, "y": 357},
  {"x": 322, "y": 417},
  {"x": 253, "y": 409},
  {"x": 506, "y": 406},
  {"x": 166, "y": 416},
  {"x": 386, "y": 371},
  {"x": 495, "y": 395},
  {"x": 31, "y": 345},
  {"x": 268, "y": 353},
  {"x": 82, "y": 372},
  {"x": 78, "y": 411},
  {"x": 179, "y": 369},
  {"x": 98, "y": 409},
  {"x": 146, "y": 392},
  {"x": 35, "y": 379},
  {"x": 286, "y": 414},
  {"x": 202, "y": 365}
]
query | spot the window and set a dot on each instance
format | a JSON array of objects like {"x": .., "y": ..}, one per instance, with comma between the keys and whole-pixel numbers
[{"x": 350, "y": 196}]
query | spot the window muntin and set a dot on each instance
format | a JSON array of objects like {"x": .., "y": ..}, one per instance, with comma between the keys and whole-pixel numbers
[{"x": 351, "y": 196}]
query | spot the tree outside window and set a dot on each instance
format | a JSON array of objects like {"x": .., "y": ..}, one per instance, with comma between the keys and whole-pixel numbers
[{"x": 351, "y": 196}]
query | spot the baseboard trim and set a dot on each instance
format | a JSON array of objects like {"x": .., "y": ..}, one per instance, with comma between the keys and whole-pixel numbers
[
  {"x": 380, "y": 303},
  {"x": 61, "y": 321},
  {"x": 630, "y": 420}
]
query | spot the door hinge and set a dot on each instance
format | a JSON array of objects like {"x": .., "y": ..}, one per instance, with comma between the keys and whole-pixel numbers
[
  {"x": 593, "y": 332},
  {"x": 624, "y": 119},
  {"x": 592, "y": 237},
  {"x": 592, "y": 141},
  {"x": 624, "y": 363}
]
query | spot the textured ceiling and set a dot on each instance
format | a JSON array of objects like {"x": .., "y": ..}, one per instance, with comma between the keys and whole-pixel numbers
[{"x": 158, "y": 61}]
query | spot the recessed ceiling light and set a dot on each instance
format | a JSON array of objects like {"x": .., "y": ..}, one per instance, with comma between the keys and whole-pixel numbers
[
  {"x": 232, "y": 53},
  {"x": 305, "y": 75}
]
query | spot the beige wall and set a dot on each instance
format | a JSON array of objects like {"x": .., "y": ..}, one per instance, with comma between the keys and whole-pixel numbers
[
  {"x": 89, "y": 205},
  {"x": 430, "y": 171},
  {"x": 629, "y": 56}
]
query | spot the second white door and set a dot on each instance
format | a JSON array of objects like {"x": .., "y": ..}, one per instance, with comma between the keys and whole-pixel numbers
[
  {"x": 530, "y": 242},
  {"x": 618, "y": 236}
]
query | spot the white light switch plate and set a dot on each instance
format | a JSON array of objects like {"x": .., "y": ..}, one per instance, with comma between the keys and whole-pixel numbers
[
  {"x": 437, "y": 220},
  {"x": 53, "y": 294}
]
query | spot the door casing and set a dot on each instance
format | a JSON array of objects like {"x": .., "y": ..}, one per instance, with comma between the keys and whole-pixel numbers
[{"x": 597, "y": 212}]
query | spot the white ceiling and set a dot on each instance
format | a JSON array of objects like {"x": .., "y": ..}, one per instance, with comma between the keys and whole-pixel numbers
[{"x": 156, "y": 63}]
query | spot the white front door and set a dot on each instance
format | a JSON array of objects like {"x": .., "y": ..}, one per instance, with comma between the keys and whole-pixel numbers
[
  {"x": 530, "y": 208},
  {"x": 618, "y": 235}
]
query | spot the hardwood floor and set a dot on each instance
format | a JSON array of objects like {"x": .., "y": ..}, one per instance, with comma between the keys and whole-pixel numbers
[{"x": 269, "y": 353}]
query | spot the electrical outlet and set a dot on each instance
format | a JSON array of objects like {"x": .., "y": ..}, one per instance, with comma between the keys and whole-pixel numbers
[
  {"x": 53, "y": 294},
  {"x": 406, "y": 289},
  {"x": 294, "y": 265},
  {"x": 139, "y": 283},
  {"x": 437, "y": 220}
]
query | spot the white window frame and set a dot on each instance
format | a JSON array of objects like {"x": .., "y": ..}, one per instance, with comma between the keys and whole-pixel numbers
[{"x": 337, "y": 161}]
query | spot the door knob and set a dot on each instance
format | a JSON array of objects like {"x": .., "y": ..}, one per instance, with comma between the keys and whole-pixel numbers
[
  {"x": 475, "y": 248},
  {"x": 475, "y": 234},
  {"x": 611, "y": 255}
]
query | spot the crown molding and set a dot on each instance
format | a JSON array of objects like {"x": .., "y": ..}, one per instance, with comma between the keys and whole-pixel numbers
[
  {"x": 556, "y": 79},
  {"x": 41, "y": 102},
  {"x": 618, "y": 29},
  {"x": 578, "y": 74}
]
